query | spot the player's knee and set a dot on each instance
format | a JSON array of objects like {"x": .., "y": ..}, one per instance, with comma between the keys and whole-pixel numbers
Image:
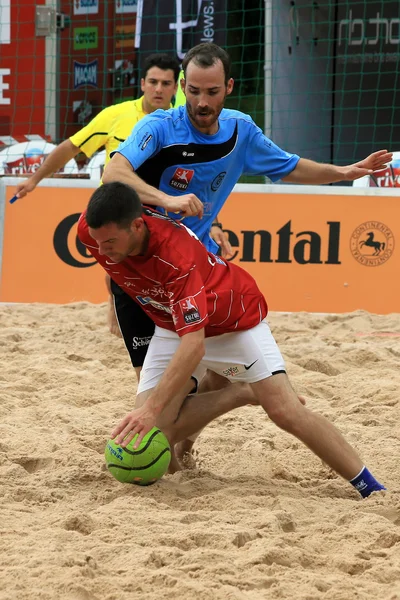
[{"x": 286, "y": 416}]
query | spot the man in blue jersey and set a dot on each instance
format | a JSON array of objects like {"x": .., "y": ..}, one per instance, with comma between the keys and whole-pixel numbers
[{"x": 186, "y": 161}]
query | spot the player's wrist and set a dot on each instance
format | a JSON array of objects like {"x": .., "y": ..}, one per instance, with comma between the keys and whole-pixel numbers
[
  {"x": 341, "y": 173},
  {"x": 35, "y": 179},
  {"x": 216, "y": 223},
  {"x": 154, "y": 404},
  {"x": 164, "y": 201}
]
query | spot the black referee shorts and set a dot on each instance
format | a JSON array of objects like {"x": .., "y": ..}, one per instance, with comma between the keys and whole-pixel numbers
[{"x": 136, "y": 327}]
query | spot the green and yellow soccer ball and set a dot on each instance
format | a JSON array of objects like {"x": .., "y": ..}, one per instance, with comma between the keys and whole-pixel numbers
[{"x": 143, "y": 465}]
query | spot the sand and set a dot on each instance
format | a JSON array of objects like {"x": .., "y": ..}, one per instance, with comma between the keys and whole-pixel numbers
[{"x": 261, "y": 517}]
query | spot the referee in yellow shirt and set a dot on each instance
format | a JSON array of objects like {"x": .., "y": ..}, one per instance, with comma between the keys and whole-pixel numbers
[
  {"x": 111, "y": 127},
  {"x": 114, "y": 124}
]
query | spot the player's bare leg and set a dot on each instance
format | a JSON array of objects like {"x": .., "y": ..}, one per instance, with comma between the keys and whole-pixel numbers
[
  {"x": 111, "y": 316},
  {"x": 198, "y": 411},
  {"x": 280, "y": 402},
  {"x": 213, "y": 382},
  {"x": 183, "y": 450},
  {"x": 186, "y": 414}
]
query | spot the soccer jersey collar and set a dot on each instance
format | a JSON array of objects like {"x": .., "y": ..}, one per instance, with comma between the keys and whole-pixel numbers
[{"x": 139, "y": 105}]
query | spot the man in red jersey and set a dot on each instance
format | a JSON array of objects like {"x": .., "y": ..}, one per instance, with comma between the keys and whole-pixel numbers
[{"x": 209, "y": 314}]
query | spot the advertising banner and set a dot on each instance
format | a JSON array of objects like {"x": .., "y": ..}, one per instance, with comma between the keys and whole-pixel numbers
[
  {"x": 318, "y": 253},
  {"x": 125, "y": 6},
  {"x": 313, "y": 252},
  {"x": 22, "y": 71},
  {"x": 86, "y": 7},
  {"x": 366, "y": 97},
  {"x": 97, "y": 60},
  {"x": 175, "y": 26},
  {"x": 44, "y": 261},
  {"x": 85, "y": 38}
]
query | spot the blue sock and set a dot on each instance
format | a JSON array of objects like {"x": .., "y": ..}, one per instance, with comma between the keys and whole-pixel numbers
[{"x": 365, "y": 483}]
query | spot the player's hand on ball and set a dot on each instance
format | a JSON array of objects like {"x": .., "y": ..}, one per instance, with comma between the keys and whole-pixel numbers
[
  {"x": 139, "y": 421},
  {"x": 221, "y": 238}
]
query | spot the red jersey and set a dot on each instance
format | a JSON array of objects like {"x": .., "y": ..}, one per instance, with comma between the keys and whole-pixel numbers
[{"x": 180, "y": 285}]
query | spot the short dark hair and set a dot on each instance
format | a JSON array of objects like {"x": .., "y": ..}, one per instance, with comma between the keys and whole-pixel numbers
[
  {"x": 206, "y": 55},
  {"x": 162, "y": 61},
  {"x": 113, "y": 203}
]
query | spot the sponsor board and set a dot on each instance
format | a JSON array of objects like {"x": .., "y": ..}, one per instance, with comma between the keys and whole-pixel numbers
[
  {"x": 125, "y": 36},
  {"x": 85, "y": 38},
  {"x": 125, "y": 6},
  {"x": 85, "y": 74},
  {"x": 314, "y": 252},
  {"x": 86, "y": 7}
]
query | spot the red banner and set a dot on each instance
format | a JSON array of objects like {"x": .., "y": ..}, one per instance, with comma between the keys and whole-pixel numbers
[{"x": 22, "y": 70}]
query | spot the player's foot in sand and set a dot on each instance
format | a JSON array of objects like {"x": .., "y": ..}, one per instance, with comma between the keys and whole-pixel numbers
[
  {"x": 184, "y": 454},
  {"x": 174, "y": 464}
]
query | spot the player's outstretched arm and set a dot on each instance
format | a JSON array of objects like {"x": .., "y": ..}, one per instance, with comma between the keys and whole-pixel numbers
[
  {"x": 313, "y": 173},
  {"x": 120, "y": 169},
  {"x": 55, "y": 160},
  {"x": 183, "y": 363}
]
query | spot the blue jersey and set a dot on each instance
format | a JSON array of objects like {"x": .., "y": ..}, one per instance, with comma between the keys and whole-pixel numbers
[{"x": 169, "y": 153}]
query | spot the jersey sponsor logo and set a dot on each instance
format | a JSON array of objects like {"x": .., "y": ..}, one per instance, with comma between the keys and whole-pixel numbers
[
  {"x": 189, "y": 310},
  {"x": 85, "y": 74},
  {"x": 234, "y": 370},
  {"x": 217, "y": 181},
  {"x": 181, "y": 178},
  {"x": 147, "y": 300},
  {"x": 157, "y": 290},
  {"x": 184, "y": 153},
  {"x": 146, "y": 141},
  {"x": 231, "y": 371},
  {"x": 217, "y": 260},
  {"x": 247, "y": 367}
]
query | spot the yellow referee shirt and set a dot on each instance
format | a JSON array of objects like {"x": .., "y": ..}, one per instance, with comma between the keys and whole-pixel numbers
[
  {"x": 180, "y": 98},
  {"x": 109, "y": 128}
]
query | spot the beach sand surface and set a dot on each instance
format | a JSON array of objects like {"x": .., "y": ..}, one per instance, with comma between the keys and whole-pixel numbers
[{"x": 260, "y": 516}]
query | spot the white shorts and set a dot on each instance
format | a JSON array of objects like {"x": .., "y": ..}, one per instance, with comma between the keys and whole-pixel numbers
[{"x": 248, "y": 356}]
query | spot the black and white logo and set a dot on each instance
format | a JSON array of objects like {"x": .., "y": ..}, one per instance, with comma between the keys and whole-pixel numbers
[{"x": 217, "y": 181}]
